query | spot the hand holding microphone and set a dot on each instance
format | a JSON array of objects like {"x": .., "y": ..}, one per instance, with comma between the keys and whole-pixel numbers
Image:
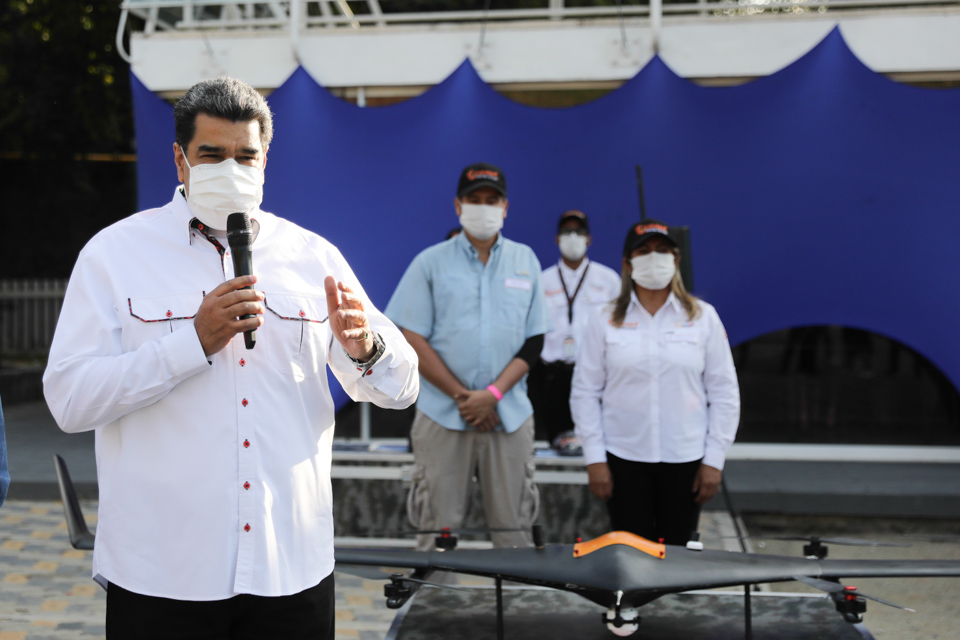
[{"x": 234, "y": 306}]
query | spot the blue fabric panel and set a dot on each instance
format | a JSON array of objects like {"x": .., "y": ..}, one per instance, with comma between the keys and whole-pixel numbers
[
  {"x": 822, "y": 194},
  {"x": 153, "y": 123}
]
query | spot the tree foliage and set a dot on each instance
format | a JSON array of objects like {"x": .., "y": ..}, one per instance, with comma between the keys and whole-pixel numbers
[
  {"x": 64, "y": 99},
  {"x": 63, "y": 87}
]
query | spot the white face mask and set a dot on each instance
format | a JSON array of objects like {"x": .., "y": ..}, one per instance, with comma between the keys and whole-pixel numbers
[
  {"x": 482, "y": 221},
  {"x": 653, "y": 271},
  {"x": 217, "y": 190},
  {"x": 573, "y": 246}
]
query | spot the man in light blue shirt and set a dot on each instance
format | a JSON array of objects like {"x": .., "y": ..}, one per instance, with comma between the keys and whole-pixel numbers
[
  {"x": 473, "y": 309},
  {"x": 4, "y": 473}
]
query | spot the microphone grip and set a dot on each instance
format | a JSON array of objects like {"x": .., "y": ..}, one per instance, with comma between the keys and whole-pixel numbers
[{"x": 243, "y": 266}]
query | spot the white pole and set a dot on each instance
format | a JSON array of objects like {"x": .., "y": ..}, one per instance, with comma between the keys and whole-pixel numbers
[
  {"x": 656, "y": 22},
  {"x": 296, "y": 18},
  {"x": 365, "y": 421}
]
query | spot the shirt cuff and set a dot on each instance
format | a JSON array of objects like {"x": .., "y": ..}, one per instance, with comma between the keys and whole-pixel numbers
[
  {"x": 379, "y": 376},
  {"x": 183, "y": 353},
  {"x": 714, "y": 458},
  {"x": 594, "y": 453}
]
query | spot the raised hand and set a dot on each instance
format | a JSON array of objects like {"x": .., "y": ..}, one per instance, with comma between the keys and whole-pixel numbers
[{"x": 348, "y": 321}]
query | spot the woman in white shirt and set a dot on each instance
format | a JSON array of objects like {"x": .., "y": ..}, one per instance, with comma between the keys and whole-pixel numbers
[{"x": 655, "y": 398}]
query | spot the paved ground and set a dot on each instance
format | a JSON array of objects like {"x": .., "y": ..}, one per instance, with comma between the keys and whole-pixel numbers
[{"x": 46, "y": 592}]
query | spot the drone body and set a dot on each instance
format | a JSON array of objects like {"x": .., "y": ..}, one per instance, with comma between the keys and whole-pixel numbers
[{"x": 623, "y": 572}]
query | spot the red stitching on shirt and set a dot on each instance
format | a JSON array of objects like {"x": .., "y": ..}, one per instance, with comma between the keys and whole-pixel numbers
[
  {"x": 301, "y": 319},
  {"x": 167, "y": 319}
]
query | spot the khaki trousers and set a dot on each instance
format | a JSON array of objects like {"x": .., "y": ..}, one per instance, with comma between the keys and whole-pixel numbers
[{"x": 445, "y": 462}]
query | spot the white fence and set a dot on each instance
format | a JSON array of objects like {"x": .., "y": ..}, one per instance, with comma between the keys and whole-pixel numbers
[{"x": 28, "y": 315}]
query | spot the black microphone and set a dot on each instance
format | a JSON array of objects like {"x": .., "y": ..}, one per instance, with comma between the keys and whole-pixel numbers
[{"x": 240, "y": 239}]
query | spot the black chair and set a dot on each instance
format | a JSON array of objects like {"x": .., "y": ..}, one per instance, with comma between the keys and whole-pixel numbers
[{"x": 80, "y": 536}]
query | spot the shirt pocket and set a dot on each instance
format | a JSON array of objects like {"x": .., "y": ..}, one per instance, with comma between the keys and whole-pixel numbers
[
  {"x": 597, "y": 296},
  {"x": 684, "y": 348},
  {"x": 685, "y": 336},
  {"x": 295, "y": 334},
  {"x": 153, "y": 317},
  {"x": 455, "y": 302},
  {"x": 515, "y": 296},
  {"x": 625, "y": 347}
]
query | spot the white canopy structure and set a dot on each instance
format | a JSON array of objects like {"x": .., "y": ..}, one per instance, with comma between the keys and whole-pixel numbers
[{"x": 365, "y": 49}]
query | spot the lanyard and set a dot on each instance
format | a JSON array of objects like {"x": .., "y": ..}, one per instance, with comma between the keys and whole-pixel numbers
[{"x": 570, "y": 298}]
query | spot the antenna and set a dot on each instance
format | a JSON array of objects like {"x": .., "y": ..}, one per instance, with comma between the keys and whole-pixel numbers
[{"x": 643, "y": 204}]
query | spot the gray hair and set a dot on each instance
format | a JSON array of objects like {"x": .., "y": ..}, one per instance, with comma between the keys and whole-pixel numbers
[{"x": 226, "y": 98}]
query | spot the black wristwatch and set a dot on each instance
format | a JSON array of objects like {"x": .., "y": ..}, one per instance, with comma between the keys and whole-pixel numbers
[{"x": 378, "y": 349}]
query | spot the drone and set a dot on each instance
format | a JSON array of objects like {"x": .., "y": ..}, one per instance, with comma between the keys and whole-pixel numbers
[
  {"x": 619, "y": 571},
  {"x": 622, "y": 571}
]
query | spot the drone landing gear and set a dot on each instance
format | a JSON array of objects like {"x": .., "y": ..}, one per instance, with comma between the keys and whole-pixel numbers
[
  {"x": 621, "y": 622},
  {"x": 850, "y": 605},
  {"x": 397, "y": 591}
]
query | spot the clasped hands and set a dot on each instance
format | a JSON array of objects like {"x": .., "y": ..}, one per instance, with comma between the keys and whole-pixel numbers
[
  {"x": 219, "y": 317},
  {"x": 478, "y": 408}
]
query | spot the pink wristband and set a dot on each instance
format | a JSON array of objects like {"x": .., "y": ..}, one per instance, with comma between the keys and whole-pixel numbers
[{"x": 496, "y": 392}]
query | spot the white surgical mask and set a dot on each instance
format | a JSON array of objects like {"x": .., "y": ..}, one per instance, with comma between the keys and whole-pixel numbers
[
  {"x": 653, "y": 271},
  {"x": 573, "y": 246},
  {"x": 482, "y": 221},
  {"x": 217, "y": 190}
]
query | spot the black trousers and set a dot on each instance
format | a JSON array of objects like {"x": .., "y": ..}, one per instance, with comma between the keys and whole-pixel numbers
[
  {"x": 548, "y": 387},
  {"x": 301, "y": 616},
  {"x": 654, "y": 500}
]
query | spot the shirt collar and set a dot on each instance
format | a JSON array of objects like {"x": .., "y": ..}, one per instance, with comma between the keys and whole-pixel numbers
[
  {"x": 576, "y": 272},
  {"x": 183, "y": 215},
  {"x": 672, "y": 301},
  {"x": 462, "y": 241}
]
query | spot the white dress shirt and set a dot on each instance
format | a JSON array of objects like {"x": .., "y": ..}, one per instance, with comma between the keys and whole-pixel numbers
[
  {"x": 660, "y": 388},
  {"x": 214, "y": 473},
  {"x": 601, "y": 284}
]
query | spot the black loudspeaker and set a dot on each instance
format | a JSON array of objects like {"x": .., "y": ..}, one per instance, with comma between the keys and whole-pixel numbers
[{"x": 682, "y": 234}]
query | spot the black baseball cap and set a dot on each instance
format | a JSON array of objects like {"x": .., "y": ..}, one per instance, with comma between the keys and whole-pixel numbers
[
  {"x": 574, "y": 214},
  {"x": 481, "y": 175},
  {"x": 640, "y": 232}
]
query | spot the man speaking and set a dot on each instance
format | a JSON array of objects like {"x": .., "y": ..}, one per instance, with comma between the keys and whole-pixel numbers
[{"x": 213, "y": 459}]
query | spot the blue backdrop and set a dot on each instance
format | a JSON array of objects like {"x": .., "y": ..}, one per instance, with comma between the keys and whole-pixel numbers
[{"x": 822, "y": 194}]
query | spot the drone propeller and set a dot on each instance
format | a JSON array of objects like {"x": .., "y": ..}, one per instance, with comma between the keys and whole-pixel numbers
[
  {"x": 363, "y": 571},
  {"x": 399, "y": 577},
  {"x": 848, "y": 542},
  {"x": 457, "y": 532},
  {"x": 836, "y": 587}
]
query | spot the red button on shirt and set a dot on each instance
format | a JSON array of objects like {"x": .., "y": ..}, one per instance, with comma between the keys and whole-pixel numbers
[
  {"x": 246, "y": 485},
  {"x": 169, "y": 314},
  {"x": 246, "y": 444},
  {"x": 244, "y": 402},
  {"x": 246, "y": 527},
  {"x": 242, "y": 362},
  {"x": 303, "y": 314}
]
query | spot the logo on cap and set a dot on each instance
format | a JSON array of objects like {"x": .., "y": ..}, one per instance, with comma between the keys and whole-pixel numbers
[
  {"x": 641, "y": 229},
  {"x": 477, "y": 174}
]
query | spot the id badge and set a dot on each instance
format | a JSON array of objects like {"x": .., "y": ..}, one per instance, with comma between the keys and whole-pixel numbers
[{"x": 569, "y": 348}]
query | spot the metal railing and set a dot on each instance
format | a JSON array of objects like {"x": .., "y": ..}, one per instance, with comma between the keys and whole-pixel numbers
[
  {"x": 29, "y": 310},
  {"x": 296, "y": 16}
]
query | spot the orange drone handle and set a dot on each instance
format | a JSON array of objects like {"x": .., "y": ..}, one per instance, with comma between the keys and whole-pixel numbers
[{"x": 619, "y": 537}]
